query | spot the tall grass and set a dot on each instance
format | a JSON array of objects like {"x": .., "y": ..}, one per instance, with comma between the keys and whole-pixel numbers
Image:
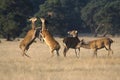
[{"x": 41, "y": 66}]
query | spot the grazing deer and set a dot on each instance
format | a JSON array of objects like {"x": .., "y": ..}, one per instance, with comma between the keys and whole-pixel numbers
[
  {"x": 71, "y": 42},
  {"x": 48, "y": 38},
  {"x": 29, "y": 38},
  {"x": 98, "y": 44}
]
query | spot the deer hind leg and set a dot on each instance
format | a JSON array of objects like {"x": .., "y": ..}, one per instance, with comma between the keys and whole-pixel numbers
[
  {"x": 52, "y": 52},
  {"x": 27, "y": 55},
  {"x": 57, "y": 51},
  {"x": 65, "y": 51},
  {"x": 95, "y": 53},
  {"x": 77, "y": 54},
  {"x": 25, "y": 51}
]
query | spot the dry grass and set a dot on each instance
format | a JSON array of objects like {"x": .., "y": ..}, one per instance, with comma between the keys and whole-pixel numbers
[{"x": 42, "y": 67}]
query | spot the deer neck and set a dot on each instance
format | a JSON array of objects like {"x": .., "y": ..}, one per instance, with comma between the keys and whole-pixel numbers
[
  {"x": 87, "y": 46},
  {"x": 43, "y": 26},
  {"x": 33, "y": 25},
  {"x": 75, "y": 35}
]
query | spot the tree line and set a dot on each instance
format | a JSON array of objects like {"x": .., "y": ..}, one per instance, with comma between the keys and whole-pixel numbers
[{"x": 87, "y": 16}]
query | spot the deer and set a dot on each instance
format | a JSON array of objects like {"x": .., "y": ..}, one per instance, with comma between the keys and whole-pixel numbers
[
  {"x": 49, "y": 39},
  {"x": 38, "y": 35},
  {"x": 29, "y": 38},
  {"x": 98, "y": 44},
  {"x": 71, "y": 42}
]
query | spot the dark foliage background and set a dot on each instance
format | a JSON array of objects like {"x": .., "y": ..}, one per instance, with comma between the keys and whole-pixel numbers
[{"x": 61, "y": 15}]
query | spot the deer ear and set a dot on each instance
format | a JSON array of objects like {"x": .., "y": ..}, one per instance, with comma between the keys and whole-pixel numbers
[
  {"x": 76, "y": 31},
  {"x": 35, "y": 18},
  {"x": 68, "y": 32},
  {"x": 29, "y": 19}
]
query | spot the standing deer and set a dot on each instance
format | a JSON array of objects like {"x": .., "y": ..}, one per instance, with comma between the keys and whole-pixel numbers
[
  {"x": 48, "y": 38},
  {"x": 98, "y": 44},
  {"x": 29, "y": 38},
  {"x": 71, "y": 42}
]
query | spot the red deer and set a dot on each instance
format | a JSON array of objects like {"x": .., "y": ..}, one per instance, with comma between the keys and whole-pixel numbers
[
  {"x": 71, "y": 42},
  {"x": 98, "y": 44},
  {"x": 29, "y": 38},
  {"x": 48, "y": 38}
]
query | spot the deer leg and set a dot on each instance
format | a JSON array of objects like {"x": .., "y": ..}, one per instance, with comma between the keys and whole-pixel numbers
[
  {"x": 78, "y": 52},
  {"x": 108, "y": 48},
  {"x": 95, "y": 52},
  {"x": 57, "y": 51},
  {"x": 27, "y": 55},
  {"x": 40, "y": 38},
  {"x": 65, "y": 51},
  {"x": 52, "y": 52},
  {"x": 110, "y": 51},
  {"x": 25, "y": 51},
  {"x": 77, "y": 55}
]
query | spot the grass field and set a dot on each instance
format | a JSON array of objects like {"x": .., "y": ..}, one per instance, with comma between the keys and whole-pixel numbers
[{"x": 42, "y": 67}]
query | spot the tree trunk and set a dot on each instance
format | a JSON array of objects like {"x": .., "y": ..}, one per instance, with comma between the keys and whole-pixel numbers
[
  {"x": 105, "y": 33},
  {"x": 8, "y": 38},
  {"x": 97, "y": 30}
]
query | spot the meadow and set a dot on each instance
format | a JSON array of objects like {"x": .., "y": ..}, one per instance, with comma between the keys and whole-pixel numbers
[{"x": 41, "y": 66}]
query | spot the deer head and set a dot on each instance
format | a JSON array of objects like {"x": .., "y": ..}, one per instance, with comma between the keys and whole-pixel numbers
[
  {"x": 73, "y": 33},
  {"x": 33, "y": 19},
  {"x": 42, "y": 20}
]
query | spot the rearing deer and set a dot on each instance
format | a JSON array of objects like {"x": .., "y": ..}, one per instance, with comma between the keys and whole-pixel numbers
[
  {"x": 98, "y": 44},
  {"x": 48, "y": 38},
  {"x": 29, "y": 38}
]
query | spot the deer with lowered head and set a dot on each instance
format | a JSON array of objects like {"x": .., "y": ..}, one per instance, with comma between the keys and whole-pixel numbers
[
  {"x": 72, "y": 42},
  {"x": 98, "y": 44},
  {"x": 49, "y": 39},
  {"x": 29, "y": 38}
]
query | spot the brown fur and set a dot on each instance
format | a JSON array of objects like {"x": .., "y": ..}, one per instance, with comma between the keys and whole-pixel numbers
[
  {"x": 98, "y": 44},
  {"x": 49, "y": 40},
  {"x": 28, "y": 39}
]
